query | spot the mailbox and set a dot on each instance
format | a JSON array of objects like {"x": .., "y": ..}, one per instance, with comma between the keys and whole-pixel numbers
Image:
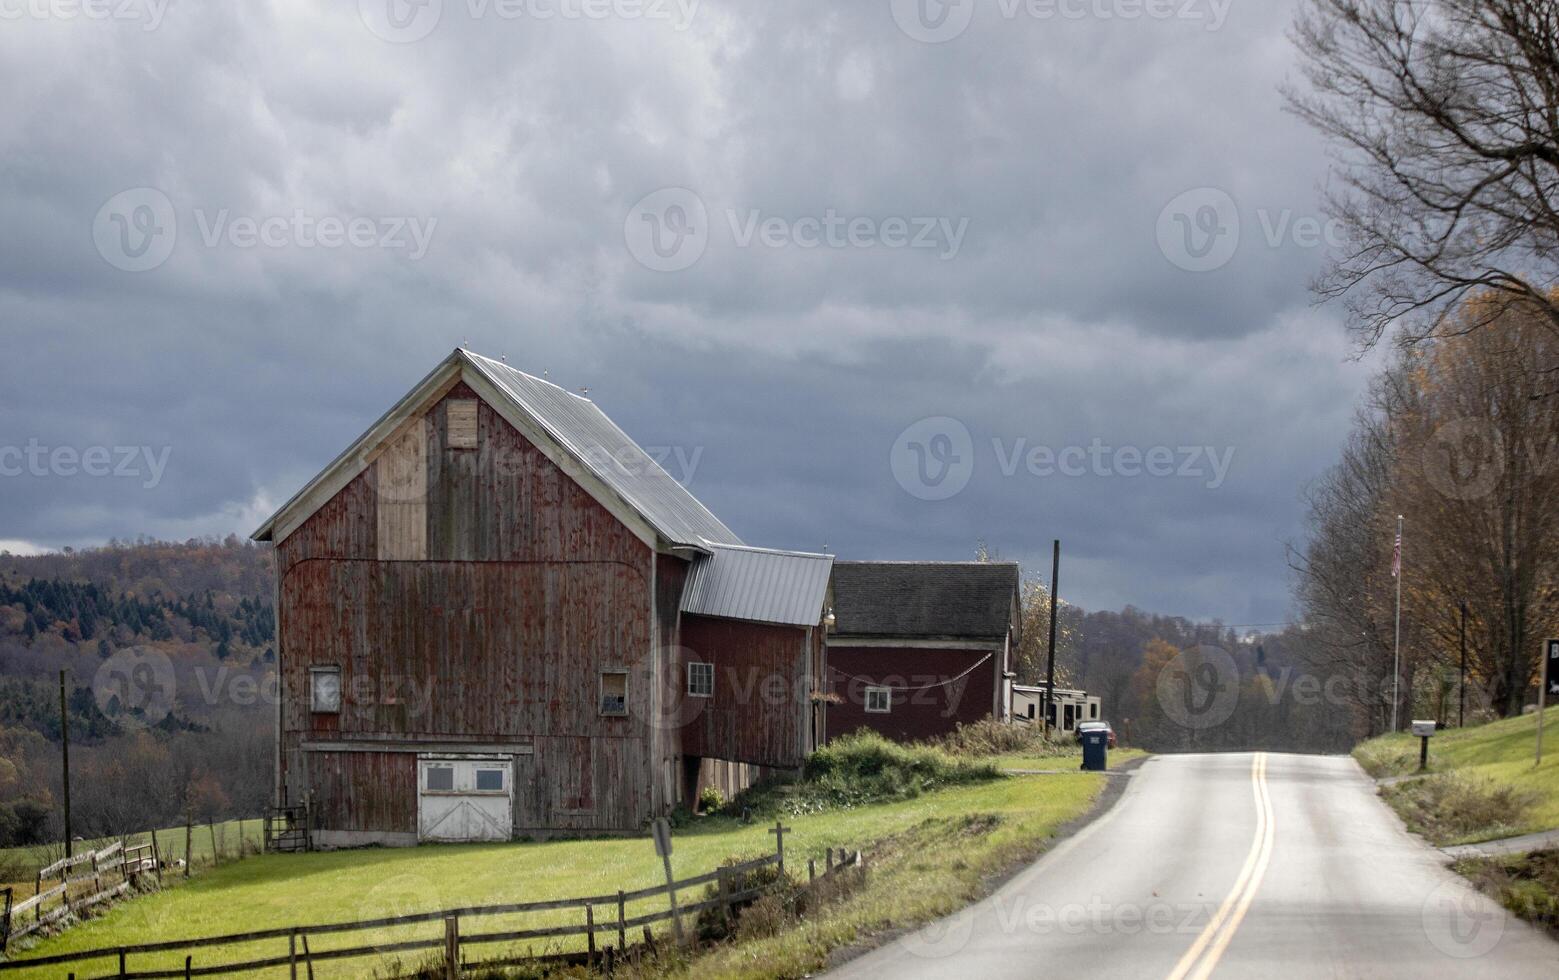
[{"x": 1423, "y": 729}]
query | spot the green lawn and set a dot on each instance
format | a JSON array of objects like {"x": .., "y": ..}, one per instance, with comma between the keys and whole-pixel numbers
[
  {"x": 1500, "y": 752},
  {"x": 935, "y": 857},
  {"x": 908, "y": 884}
]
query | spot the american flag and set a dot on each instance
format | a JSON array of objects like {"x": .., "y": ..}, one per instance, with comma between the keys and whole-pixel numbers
[{"x": 1396, "y": 555}]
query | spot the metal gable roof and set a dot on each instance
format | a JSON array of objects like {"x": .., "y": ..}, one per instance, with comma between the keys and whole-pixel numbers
[
  {"x": 580, "y": 427},
  {"x": 760, "y": 585}
]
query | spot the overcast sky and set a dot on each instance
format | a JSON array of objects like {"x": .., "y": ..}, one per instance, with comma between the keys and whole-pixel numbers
[{"x": 884, "y": 276}]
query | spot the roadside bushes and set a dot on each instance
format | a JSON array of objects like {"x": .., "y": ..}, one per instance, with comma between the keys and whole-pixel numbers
[
  {"x": 865, "y": 767},
  {"x": 1448, "y": 809},
  {"x": 991, "y": 737},
  {"x": 783, "y": 901},
  {"x": 860, "y": 769}
]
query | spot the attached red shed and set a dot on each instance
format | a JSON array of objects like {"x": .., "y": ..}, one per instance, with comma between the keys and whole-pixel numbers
[{"x": 919, "y": 647}]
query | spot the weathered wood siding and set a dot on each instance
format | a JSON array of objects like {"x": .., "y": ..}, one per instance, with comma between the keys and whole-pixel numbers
[
  {"x": 392, "y": 806},
  {"x": 759, "y": 712},
  {"x": 470, "y": 595},
  {"x": 933, "y": 708}
]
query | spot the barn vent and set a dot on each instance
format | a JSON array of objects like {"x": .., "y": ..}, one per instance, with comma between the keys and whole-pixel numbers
[{"x": 462, "y": 423}]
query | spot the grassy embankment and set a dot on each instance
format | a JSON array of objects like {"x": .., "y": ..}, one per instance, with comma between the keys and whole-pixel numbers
[
  {"x": 935, "y": 826},
  {"x": 1481, "y": 783},
  {"x": 1482, "y": 786}
]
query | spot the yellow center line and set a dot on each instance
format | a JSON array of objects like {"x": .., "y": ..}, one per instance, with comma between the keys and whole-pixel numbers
[{"x": 1215, "y": 937}]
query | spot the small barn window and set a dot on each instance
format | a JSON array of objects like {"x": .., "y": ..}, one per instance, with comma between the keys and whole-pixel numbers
[
  {"x": 489, "y": 780},
  {"x": 325, "y": 690},
  {"x": 614, "y": 692},
  {"x": 1033, "y": 709},
  {"x": 701, "y": 680},
  {"x": 462, "y": 423},
  {"x": 879, "y": 700},
  {"x": 441, "y": 779}
]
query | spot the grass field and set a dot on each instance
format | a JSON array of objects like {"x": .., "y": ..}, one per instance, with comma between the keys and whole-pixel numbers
[
  {"x": 1480, "y": 761},
  {"x": 930, "y": 854}
]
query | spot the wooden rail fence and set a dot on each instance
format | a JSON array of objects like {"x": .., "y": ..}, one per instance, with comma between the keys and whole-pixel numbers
[
  {"x": 89, "y": 867},
  {"x": 617, "y": 923}
]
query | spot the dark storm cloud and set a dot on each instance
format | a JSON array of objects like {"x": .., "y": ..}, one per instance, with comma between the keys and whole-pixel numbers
[{"x": 891, "y": 231}]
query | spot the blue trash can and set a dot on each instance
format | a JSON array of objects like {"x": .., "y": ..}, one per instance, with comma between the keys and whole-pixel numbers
[{"x": 1096, "y": 750}]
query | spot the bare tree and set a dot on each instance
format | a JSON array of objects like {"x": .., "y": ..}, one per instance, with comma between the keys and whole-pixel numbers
[{"x": 1445, "y": 116}]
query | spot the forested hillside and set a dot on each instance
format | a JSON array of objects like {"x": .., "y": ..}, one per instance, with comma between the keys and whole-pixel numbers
[{"x": 167, "y": 649}]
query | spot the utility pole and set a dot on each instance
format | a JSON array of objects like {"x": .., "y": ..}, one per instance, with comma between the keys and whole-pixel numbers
[
  {"x": 1396, "y": 656},
  {"x": 1461, "y": 706},
  {"x": 1050, "y": 657},
  {"x": 65, "y": 761}
]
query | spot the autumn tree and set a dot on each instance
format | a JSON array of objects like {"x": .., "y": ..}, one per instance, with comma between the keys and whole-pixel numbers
[{"x": 1461, "y": 437}]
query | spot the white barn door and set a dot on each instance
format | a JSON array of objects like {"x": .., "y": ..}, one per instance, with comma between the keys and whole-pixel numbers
[{"x": 465, "y": 799}]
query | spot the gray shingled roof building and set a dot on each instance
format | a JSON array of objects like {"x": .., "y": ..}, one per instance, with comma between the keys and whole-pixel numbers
[{"x": 924, "y": 599}]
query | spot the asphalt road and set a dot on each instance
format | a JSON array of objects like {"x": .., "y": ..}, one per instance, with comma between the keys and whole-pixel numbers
[{"x": 1232, "y": 865}]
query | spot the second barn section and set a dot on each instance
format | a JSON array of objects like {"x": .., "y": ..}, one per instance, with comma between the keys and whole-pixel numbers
[{"x": 918, "y": 648}]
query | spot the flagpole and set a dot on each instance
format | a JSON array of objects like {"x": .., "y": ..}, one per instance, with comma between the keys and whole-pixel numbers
[{"x": 1396, "y": 656}]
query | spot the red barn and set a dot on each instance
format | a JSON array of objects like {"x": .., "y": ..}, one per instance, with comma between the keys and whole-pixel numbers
[
  {"x": 497, "y": 616},
  {"x": 919, "y": 647}
]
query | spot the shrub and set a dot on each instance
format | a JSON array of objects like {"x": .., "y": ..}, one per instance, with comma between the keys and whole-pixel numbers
[
  {"x": 860, "y": 769},
  {"x": 716, "y": 923},
  {"x": 991, "y": 737},
  {"x": 1447, "y": 808},
  {"x": 711, "y": 800}
]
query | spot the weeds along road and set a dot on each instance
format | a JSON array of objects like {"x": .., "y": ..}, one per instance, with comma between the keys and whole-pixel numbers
[{"x": 1231, "y": 865}]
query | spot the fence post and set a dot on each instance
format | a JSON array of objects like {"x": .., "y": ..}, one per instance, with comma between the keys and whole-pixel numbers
[
  {"x": 122, "y": 970},
  {"x": 5, "y": 924},
  {"x": 622, "y": 922},
  {"x": 187, "y": 960},
  {"x": 723, "y": 883},
  {"x": 451, "y": 948},
  {"x": 811, "y": 870},
  {"x": 779, "y": 830},
  {"x": 38, "y": 890},
  {"x": 589, "y": 935},
  {"x": 189, "y": 853},
  {"x": 156, "y": 857},
  {"x": 292, "y": 947}
]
